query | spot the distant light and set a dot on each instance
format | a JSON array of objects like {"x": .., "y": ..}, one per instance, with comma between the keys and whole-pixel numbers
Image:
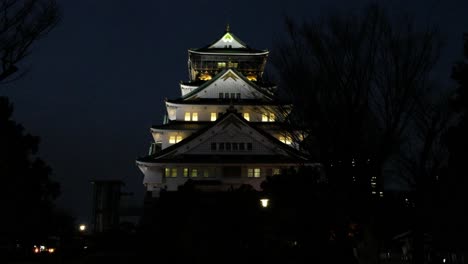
[
  {"x": 443, "y": 260},
  {"x": 51, "y": 250},
  {"x": 264, "y": 202},
  {"x": 82, "y": 228},
  {"x": 36, "y": 250}
]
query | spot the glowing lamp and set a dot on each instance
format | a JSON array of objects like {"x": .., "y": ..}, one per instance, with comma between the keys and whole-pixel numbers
[
  {"x": 82, "y": 228},
  {"x": 264, "y": 202}
]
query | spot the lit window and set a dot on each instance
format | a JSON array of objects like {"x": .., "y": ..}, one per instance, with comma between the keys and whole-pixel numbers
[
  {"x": 252, "y": 78},
  {"x": 194, "y": 116},
  {"x": 185, "y": 172},
  {"x": 194, "y": 173},
  {"x": 247, "y": 116},
  {"x": 213, "y": 116},
  {"x": 167, "y": 172},
  {"x": 206, "y": 174},
  {"x": 174, "y": 139},
  {"x": 205, "y": 77},
  {"x": 285, "y": 140},
  {"x": 276, "y": 171},
  {"x": 253, "y": 173},
  {"x": 187, "y": 116},
  {"x": 221, "y": 64},
  {"x": 257, "y": 173},
  {"x": 232, "y": 64},
  {"x": 272, "y": 117},
  {"x": 268, "y": 117},
  {"x": 174, "y": 172}
]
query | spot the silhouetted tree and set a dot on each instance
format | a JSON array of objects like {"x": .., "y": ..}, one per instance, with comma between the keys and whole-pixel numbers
[
  {"x": 456, "y": 202},
  {"x": 22, "y": 23},
  {"x": 356, "y": 82},
  {"x": 27, "y": 190}
]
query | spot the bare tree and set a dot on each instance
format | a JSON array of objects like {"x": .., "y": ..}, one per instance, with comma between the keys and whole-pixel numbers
[
  {"x": 356, "y": 83},
  {"x": 22, "y": 23}
]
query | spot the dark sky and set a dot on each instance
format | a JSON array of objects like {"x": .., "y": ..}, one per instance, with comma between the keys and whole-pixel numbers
[{"x": 97, "y": 82}]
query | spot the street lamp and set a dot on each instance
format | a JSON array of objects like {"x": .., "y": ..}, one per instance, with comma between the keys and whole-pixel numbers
[
  {"x": 264, "y": 202},
  {"x": 82, "y": 227}
]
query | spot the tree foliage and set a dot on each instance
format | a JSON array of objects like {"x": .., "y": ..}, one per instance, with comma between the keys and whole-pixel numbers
[
  {"x": 22, "y": 23},
  {"x": 27, "y": 190}
]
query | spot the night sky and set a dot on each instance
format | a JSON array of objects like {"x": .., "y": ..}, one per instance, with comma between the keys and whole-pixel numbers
[{"x": 98, "y": 81}]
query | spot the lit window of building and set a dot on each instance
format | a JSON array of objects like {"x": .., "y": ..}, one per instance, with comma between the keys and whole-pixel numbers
[
  {"x": 257, "y": 173},
  {"x": 213, "y": 116},
  {"x": 252, "y": 78},
  {"x": 253, "y": 173},
  {"x": 247, "y": 116},
  {"x": 191, "y": 116},
  {"x": 167, "y": 172},
  {"x": 194, "y": 173},
  {"x": 174, "y": 172},
  {"x": 206, "y": 174},
  {"x": 172, "y": 139},
  {"x": 286, "y": 140},
  {"x": 175, "y": 139},
  {"x": 276, "y": 171},
  {"x": 185, "y": 172},
  {"x": 221, "y": 64},
  {"x": 268, "y": 117}
]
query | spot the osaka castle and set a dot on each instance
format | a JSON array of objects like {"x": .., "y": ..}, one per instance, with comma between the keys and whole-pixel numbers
[{"x": 226, "y": 128}]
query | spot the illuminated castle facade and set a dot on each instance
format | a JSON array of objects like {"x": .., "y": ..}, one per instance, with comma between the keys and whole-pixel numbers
[{"x": 226, "y": 128}]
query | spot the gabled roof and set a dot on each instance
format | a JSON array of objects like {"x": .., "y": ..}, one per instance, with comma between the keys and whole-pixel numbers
[
  {"x": 226, "y": 74},
  {"x": 176, "y": 152},
  {"x": 228, "y": 43}
]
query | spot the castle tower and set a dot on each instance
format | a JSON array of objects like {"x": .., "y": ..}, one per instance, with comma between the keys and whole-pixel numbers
[{"x": 226, "y": 128}]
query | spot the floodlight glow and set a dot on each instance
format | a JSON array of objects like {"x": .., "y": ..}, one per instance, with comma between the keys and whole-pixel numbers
[{"x": 264, "y": 202}]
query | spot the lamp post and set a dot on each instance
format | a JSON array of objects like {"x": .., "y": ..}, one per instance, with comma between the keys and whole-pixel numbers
[
  {"x": 264, "y": 202},
  {"x": 82, "y": 228}
]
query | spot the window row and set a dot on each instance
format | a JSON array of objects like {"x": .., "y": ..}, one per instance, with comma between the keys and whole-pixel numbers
[
  {"x": 231, "y": 146},
  {"x": 229, "y": 96},
  {"x": 186, "y": 172},
  {"x": 193, "y": 116},
  {"x": 194, "y": 173}
]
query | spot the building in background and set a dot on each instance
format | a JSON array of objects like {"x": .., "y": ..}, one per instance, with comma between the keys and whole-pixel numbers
[{"x": 226, "y": 129}]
